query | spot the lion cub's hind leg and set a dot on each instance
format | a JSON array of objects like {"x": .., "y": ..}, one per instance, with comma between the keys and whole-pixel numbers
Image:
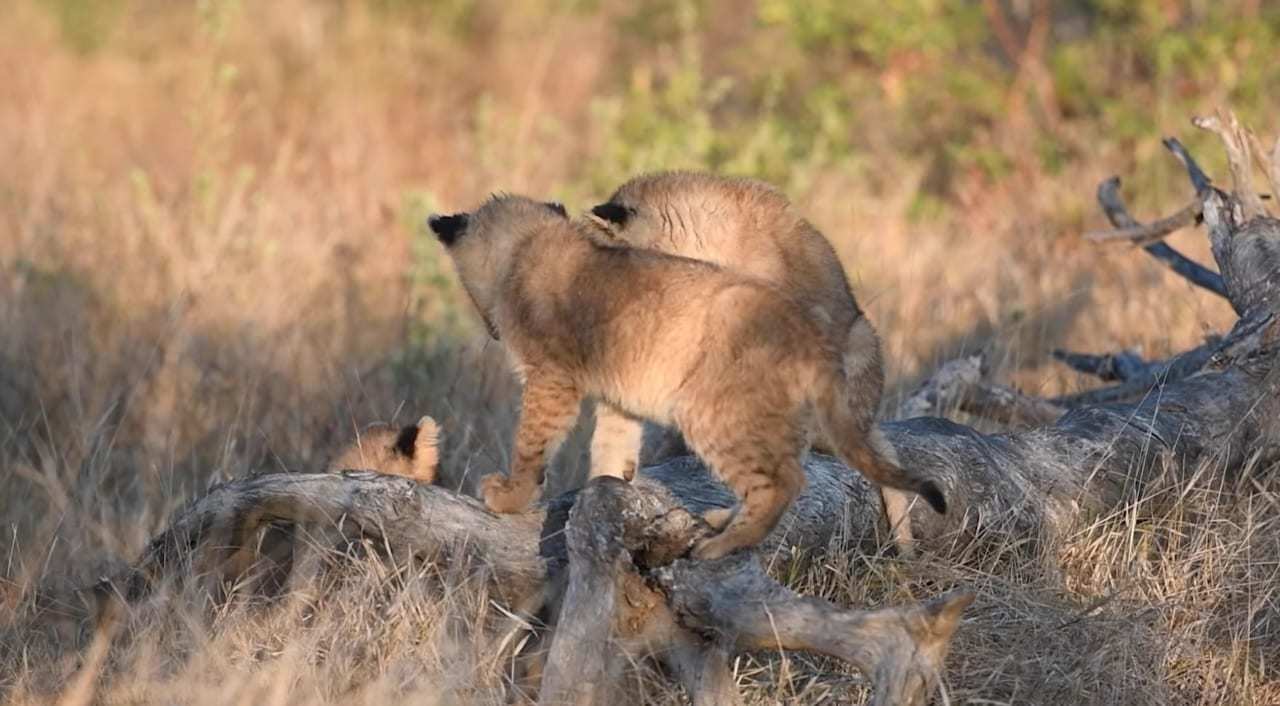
[
  {"x": 765, "y": 494},
  {"x": 762, "y": 467},
  {"x": 615, "y": 443},
  {"x": 897, "y": 515}
]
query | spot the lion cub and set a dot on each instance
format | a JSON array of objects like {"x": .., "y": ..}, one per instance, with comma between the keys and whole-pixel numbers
[
  {"x": 739, "y": 367},
  {"x": 411, "y": 451},
  {"x": 748, "y": 226}
]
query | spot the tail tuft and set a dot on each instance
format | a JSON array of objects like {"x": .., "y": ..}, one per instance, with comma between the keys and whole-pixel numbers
[{"x": 933, "y": 495}]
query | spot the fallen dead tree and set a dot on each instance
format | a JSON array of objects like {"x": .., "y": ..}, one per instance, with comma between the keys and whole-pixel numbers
[{"x": 603, "y": 566}]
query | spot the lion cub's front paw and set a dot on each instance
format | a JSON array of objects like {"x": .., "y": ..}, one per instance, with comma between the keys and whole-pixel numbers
[
  {"x": 713, "y": 548},
  {"x": 719, "y": 517},
  {"x": 502, "y": 496}
]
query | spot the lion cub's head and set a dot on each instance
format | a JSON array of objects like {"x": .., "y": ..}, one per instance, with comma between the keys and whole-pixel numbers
[
  {"x": 411, "y": 451},
  {"x": 694, "y": 214},
  {"x": 481, "y": 243}
]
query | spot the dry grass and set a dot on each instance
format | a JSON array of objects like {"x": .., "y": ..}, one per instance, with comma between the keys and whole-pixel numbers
[{"x": 210, "y": 265}]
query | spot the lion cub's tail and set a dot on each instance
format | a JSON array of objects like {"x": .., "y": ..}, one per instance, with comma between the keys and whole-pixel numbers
[{"x": 860, "y": 444}]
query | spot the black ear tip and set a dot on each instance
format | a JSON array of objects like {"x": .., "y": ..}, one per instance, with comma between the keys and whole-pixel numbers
[
  {"x": 611, "y": 212},
  {"x": 447, "y": 228}
]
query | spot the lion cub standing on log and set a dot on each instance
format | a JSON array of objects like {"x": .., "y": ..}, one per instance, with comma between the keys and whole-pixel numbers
[
  {"x": 748, "y": 226},
  {"x": 737, "y": 366}
]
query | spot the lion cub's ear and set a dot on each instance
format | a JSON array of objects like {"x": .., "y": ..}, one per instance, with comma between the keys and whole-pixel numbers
[
  {"x": 426, "y": 451},
  {"x": 448, "y": 228},
  {"x": 610, "y": 217},
  {"x": 558, "y": 208},
  {"x": 417, "y": 448}
]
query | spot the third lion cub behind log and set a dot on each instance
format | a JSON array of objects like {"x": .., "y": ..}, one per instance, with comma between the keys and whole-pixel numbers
[
  {"x": 411, "y": 451},
  {"x": 748, "y": 226},
  {"x": 739, "y": 367}
]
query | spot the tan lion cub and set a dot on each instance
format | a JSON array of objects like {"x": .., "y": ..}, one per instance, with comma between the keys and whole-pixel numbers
[
  {"x": 411, "y": 451},
  {"x": 748, "y": 226},
  {"x": 740, "y": 368}
]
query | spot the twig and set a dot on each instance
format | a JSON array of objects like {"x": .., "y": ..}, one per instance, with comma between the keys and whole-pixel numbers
[
  {"x": 1199, "y": 180},
  {"x": 1121, "y": 366},
  {"x": 1141, "y": 234}
]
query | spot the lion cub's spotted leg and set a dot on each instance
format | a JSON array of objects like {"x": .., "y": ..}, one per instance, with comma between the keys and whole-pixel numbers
[
  {"x": 548, "y": 409},
  {"x": 762, "y": 467},
  {"x": 766, "y": 491},
  {"x": 615, "y": 443}
]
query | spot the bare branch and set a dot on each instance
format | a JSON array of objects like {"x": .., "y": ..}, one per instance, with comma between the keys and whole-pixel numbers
[
  {"x": 1190, "y": 270},
  {"x": 583, "y": 655},
  {"x": 961, "y": 384},
  {"x": 1197, "y": 274},
  {"x": 1199, "y": 180},
  {"x": 1225, "y": 125},
  {"x": 1140, "y": 384},
  {"x": 214, "y": 527},
  {"x": 1122, "y": 366},
  {"x": 1140, "y": 234},
  {"x": 704, "y": 671}
]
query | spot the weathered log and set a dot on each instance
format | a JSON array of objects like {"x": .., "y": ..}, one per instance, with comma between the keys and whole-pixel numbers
[
  {"x": 616, "y": 548},
  {"x": 655, "y": 518}
]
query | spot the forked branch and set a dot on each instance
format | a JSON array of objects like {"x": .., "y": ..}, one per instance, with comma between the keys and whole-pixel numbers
[{"x": 1197, "y": 274}]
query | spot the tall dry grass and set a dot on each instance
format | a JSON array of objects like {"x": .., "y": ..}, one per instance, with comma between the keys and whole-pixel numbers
[{"x": 211, "y": 265}]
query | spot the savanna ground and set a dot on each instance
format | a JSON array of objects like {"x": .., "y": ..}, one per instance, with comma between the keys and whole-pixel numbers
[{"x": 211, "y": 264}]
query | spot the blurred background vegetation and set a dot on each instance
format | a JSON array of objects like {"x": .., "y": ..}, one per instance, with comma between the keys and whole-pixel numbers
[{"x": 211, "y": 253}]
